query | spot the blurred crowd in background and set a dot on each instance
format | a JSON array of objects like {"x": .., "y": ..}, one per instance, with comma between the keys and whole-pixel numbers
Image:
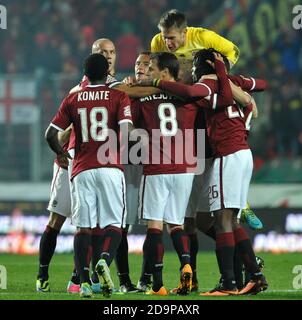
[
  {"x": 56, "y": 35},
  {"x": 53, "y": 37}
]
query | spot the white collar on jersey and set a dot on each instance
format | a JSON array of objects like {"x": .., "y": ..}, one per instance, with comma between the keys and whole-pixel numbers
[{"x": 95, "y": 85}]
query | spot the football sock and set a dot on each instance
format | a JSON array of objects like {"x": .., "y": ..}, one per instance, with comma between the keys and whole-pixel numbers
[
  {"x": 225, "y": 247},
  {"x": 112, "y": 239},
  {"x": 97, "y": 238},
  {"x": 245, "y": 249},
  {"x": 47, "y": 248},
  {"x": 121, "y": 259},
  {"x": 75, "y": 278},
  {"x": 155, "y": 254},
  {"x": 81, "y": 251},
  {"x": 193, "y": 253},
  {"x": 238, "y": 269},
  {"x": 146, "y": 266},
  {"x": 181, "y": 244}
]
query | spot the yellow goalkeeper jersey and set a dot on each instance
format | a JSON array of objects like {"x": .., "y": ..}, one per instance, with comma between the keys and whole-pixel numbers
[{"x": 197, "y": 39}]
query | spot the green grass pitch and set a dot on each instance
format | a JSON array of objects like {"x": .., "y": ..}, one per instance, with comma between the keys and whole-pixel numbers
[{"x": 21, "y": 277}]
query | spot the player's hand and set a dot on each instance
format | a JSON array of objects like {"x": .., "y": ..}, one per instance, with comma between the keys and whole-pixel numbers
[
  {"x": 218, "y": 57},
  {"x": 143, "y": 83},
  {"x": 63, "y": 159},
  {"x": 208, "y": 76},
  {"x": 129, "y": 81}
]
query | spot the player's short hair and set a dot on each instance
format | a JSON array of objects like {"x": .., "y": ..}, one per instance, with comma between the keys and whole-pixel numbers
[
  {"x": 201, "y": 65},
  {"x": 172, "y": 19},
  {"x": 147, "y": 53},
  {"x": 96, "y": 67},
  {"x": 167, "y": 60}
]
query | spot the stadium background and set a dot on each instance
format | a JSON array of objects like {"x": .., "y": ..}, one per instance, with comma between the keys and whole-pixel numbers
[{"x": 40, "y": 60}]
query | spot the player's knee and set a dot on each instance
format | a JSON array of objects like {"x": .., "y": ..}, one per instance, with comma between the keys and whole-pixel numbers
[
  {"x": 56, "y": 221},
  {"x": 235, "y": 221},
  {"x": 152, "y": 224},
  {"x": 223, "y": 221},
  {"x": 173, "y": 227},
  {"x": 83, "y": 230}
]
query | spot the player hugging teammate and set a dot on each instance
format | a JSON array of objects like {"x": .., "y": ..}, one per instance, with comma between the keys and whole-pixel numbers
[{"x": 167, "y": 191}]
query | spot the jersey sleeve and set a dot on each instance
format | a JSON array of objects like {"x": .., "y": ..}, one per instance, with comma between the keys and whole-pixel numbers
[
  {"x": 249, "y": 84},
  {"x": 252, "y": 84},
  {"x": 211, "y": 39},
  {"x": 124, "y": 111},
  {"x": 225, "y": 91},
  {"x": 198, "y": 90},
  {"x": 62, "y": 119}
]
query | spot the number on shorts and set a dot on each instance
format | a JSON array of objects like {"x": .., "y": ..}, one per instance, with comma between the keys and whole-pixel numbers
[
  {"x": 164, "y": 119},
  {"x": 95, "y": 124},
  {"x": 213, "y": 192}
]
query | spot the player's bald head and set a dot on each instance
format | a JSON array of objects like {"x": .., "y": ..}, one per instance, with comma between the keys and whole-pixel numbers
[
  {"x": 100, "y": 44},
  {"x": 106, "y": 47}
]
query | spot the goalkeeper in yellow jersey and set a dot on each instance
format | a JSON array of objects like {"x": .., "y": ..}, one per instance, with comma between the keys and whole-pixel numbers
[{"x": 184, "y": 41}]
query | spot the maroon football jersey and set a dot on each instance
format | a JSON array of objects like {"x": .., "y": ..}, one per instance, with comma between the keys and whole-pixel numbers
[
  {"x": 93, "y": 111},
  {"x": 225, "y": 126},
  {"x": 165, "y": 118},
  {"x": 110, "y": 82}
]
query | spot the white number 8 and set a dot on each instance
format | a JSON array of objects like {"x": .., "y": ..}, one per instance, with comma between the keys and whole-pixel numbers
[{"x": 164, "y": 119}]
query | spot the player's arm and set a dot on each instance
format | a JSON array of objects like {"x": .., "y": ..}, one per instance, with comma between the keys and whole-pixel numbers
[
  {"x": 249, "y": 84},
  {"x": 240, "y": 96},
  {"x": 129, "y": 80},
  {"x": 211, "y": 39},
  {"x": 64, "y": 136},
  {"x": 253, "y": 85},
  {"x": 137, "y": 92},
  {"x": 255, "y": 108},
  {"x": 51, "y": 136},
  {"x": 60, "y": 122},
  {"x": 201, "y": 89}
]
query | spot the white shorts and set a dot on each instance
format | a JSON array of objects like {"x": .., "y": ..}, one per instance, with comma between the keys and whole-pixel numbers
[
  {"x": 164, "y": 197},
  {"x": 199, "y": 198},
  {"x": 133, "y": 176},
  {"x": 230, "y": 180},
  {"x": 60, "y": 201},
  {"x": 98, "y": 197}
]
